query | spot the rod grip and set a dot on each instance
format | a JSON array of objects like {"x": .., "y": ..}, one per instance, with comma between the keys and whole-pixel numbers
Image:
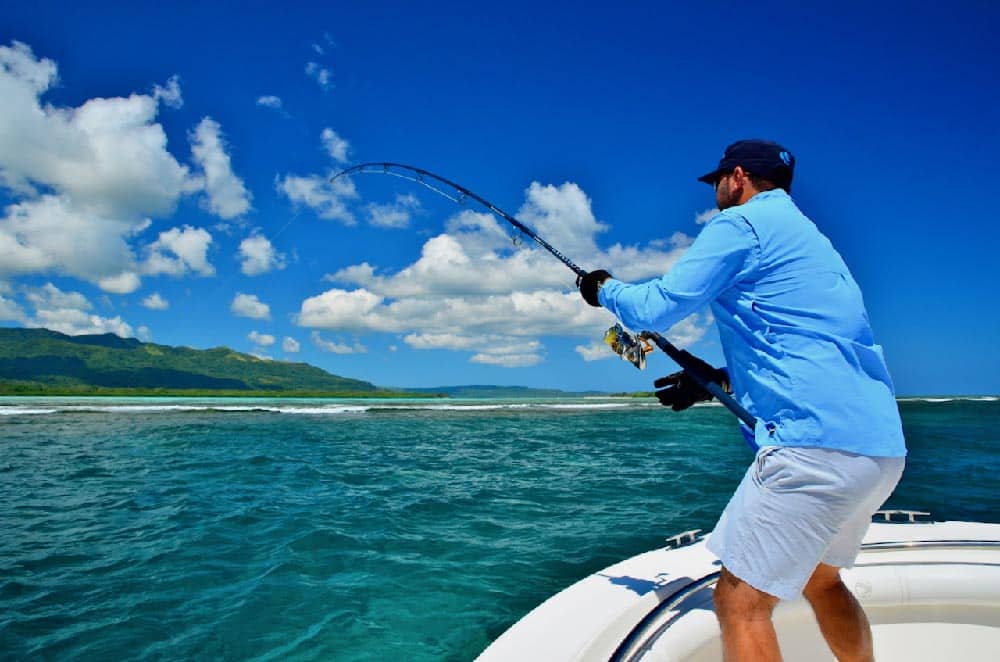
[{"x": 685, "y": 361}]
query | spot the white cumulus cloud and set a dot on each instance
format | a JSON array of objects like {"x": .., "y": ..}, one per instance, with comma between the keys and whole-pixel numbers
[
  {"x": 471, "y": 290},
  {"x": 344, "y": 310},
  {"x": 180, "y": 251},
  {"x": 562, "y": 214},
  {"x": 270, "y": 101},
  {"x": 519, "y": 359},
  {"x": 327, "y": 199},
  {"x": 261, "y": 339},
  {"x": 290, "y": 345},
  {"x": 70, "y": 313},
  {"x": 335, "y": 146},
  {"x": 395, "y": 214},
  {"x": 123, "y": 283},
  {"x": 336, "y": 347},
  {"x": 83, "y": 181},
  {"x": 169, "y": 94},
  {"x": 258, "y": 256},
  {"x": 320, "y": 74},
  {"x": 248, "y": 305},
  {"x": 11, "y": 311},
  {"x": 705, "y": 216},
  {"x": 155, "y": 302},
  {"x": 108, "y": 155},
  {"x": 594, "y": 351},
  {"x": 227, "y": 197},
  {"x": 50, "y": 234}
]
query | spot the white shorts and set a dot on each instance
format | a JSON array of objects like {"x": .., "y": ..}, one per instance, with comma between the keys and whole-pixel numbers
[{"x": 797, "y": 507}]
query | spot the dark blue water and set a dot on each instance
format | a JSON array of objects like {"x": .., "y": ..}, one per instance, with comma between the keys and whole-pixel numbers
[{"x": 143, "y": 529}]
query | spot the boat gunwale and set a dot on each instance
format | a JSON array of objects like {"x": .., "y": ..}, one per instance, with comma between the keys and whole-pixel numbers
[{"x": 675, "y": 599}]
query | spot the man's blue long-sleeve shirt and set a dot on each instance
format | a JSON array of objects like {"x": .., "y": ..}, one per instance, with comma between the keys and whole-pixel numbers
[{"x": 798, "y": 345}]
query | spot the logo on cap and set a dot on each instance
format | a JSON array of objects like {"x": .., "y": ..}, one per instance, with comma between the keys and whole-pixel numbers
[{"x": 786, "y": 158}]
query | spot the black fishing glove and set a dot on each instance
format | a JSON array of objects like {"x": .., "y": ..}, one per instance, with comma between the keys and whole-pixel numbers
[
  {"x": 590, "y": 283},
  {"x": 682, "y": 390}
]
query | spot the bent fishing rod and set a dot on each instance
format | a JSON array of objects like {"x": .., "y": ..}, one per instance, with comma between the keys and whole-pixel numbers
[{"x": 684, "y": 359}]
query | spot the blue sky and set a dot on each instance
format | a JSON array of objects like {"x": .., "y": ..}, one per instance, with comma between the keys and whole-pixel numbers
[{"x": 164, "y": 174}]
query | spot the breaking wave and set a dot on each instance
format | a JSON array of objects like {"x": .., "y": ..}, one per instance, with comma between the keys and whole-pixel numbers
[
  {"x": 70, "y": 406},
  {"x": 16, "y": 406}
]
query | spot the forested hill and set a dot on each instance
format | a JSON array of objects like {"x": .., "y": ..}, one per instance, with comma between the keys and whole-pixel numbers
[{"x": 39, "y": 360}]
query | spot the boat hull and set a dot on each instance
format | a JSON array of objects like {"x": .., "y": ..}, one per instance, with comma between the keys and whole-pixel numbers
[{"x": 931, "y": 592}]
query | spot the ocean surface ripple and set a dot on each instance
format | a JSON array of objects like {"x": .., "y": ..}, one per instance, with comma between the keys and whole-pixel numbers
[{"x": 368, "y": 530}]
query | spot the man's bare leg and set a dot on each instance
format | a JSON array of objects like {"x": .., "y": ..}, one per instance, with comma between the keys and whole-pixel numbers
[
  {"x": 841, "y": 618},
  {"x": 745, "y": 618}
]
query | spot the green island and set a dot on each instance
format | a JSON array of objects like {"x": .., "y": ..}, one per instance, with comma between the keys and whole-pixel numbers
[
  {"x": 41, "y": 362},
  {"x": 44, "y": 362}
]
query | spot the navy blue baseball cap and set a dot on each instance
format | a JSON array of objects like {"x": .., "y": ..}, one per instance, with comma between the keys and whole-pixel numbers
[{"x": 763, "y": 158}]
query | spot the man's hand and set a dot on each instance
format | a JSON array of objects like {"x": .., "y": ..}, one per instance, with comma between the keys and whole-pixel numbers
[
  {"x": 590, "y": 283},
  {"x": 681, "y": 390}
]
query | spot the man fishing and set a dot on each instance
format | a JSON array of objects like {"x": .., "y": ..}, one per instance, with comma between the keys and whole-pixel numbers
[{"x": 801, "y": 358}]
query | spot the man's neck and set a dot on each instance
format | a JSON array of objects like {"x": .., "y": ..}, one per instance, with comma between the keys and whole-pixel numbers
[{"x": 748, "y": 192}]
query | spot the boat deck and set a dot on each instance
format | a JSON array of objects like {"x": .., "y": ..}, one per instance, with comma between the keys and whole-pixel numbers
[{"x": 931, "y": 591}]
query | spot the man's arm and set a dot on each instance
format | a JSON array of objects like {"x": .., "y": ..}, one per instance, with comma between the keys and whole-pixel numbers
[{"x": 725, "y": 251}]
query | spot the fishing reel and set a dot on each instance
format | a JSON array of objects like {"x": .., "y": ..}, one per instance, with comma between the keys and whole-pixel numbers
[{"x": 630, "y": 348}]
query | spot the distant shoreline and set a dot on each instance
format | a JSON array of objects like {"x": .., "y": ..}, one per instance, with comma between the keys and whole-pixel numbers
[{"x": 7, "y": 391}]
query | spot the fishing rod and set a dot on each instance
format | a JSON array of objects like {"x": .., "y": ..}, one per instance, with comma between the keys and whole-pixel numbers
[
  {"x": 421, "y": 178},
  {"x": 683, "y": 358}
]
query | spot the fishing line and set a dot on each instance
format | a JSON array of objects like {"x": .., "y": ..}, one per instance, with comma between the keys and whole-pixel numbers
[{"x": 629, "y": 350}]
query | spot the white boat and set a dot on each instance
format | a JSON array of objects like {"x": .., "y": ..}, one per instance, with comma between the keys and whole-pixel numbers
[{"x": 931, "y": 591}]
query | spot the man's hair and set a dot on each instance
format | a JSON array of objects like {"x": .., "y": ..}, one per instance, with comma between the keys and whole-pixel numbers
[{"x": 762, "y": 184}]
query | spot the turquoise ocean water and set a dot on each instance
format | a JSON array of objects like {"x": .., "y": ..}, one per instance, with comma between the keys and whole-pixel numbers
[{"x": 369, "y": 530}]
